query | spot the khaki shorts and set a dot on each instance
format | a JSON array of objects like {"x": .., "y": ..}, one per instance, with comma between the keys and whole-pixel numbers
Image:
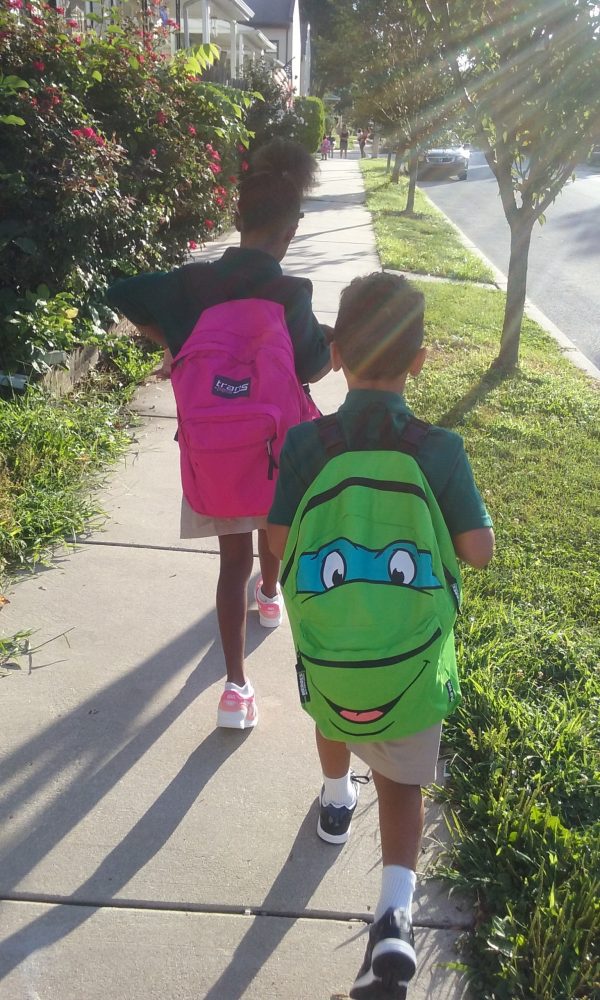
[
  {"x": 410, "y": 761},
  {"x": 193, "y": 525}
]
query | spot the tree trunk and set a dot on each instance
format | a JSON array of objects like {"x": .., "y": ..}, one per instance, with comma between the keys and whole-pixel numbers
[
  {"x": 516, "y": 290},
  {"x": 413, "y": 162},
  {"x": 397, "y": 165}
]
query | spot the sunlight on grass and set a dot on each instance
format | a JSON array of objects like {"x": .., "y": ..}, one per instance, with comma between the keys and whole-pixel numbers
[
  {"x": 523, "y": 795},
  {"x": 424, "y": 244}
]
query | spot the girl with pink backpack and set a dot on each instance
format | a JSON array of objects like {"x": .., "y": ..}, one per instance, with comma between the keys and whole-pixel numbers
[{"x": 245, "y": 342}]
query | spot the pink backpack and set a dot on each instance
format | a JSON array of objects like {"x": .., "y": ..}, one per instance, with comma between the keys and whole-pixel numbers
[{"x": 237, "y": 393}]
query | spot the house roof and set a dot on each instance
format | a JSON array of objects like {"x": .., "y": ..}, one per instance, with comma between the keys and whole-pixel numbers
[{"x": 272, "y": 13}]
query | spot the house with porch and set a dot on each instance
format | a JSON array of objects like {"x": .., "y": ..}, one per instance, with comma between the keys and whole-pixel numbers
[{"x": 244, "y": 32}]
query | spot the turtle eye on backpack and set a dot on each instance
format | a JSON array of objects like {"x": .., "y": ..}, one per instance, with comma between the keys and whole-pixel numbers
[{"x": 340, "y": 562}]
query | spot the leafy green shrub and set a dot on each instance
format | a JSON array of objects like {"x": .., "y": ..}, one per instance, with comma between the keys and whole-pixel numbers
[
  {"x": 311, "y": 112},
  {"x": 271, "y": 115},
  {"x": 114, "y": 158}
]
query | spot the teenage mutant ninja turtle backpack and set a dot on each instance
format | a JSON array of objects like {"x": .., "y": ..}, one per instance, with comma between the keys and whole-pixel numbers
[{"x": 372, "y": 589}]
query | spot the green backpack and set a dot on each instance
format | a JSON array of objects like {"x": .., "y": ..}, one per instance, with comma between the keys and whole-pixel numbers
[{"x": 372, "y": 589}]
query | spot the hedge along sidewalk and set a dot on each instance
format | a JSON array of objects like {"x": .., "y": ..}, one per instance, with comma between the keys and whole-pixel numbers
[{"x": 523, "y": 793}]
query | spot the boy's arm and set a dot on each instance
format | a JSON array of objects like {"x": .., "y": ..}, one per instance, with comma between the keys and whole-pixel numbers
[
  {"x": 475, "y": 547},
  {"x": 277, "y": 537}
]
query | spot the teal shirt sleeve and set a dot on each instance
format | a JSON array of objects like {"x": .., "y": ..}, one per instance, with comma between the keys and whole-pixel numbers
[
  {"x": 154, "y": 300},
  {"x": 311, "y": 350},
  {"x": 456, "y": 493}
]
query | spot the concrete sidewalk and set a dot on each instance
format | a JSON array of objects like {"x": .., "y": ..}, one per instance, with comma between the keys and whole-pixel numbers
[{"x": 144, "y": 853}]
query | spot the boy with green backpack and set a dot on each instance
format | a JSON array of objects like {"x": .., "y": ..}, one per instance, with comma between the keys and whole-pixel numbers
[{"x": 372, "y": 509}]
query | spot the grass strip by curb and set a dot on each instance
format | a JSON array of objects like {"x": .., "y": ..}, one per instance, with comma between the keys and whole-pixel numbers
[
  {"x": 423, "y": 244},
  {"x": 524, "y": 792}
]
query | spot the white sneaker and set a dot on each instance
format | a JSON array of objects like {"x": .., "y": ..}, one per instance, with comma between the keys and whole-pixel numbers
[
  {"x": 236, "y": 711},
  {"x": 270, "y": 609}
]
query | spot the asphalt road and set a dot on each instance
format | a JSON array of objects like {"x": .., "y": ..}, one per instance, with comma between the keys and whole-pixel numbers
[{"x": 564, "y": 261}]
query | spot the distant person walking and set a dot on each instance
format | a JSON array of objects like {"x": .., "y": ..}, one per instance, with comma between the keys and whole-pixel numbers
[
  {"x": 325, "y": 147},
  {"x": 331, "y": 145},
  {"x": 344, "y": 136},
  {"x": 363, "y": 135}
]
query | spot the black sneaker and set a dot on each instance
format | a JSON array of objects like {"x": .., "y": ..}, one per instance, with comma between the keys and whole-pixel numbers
[
  {"x": 390, "y": 960},
  {"x": 335, "y": 821}
]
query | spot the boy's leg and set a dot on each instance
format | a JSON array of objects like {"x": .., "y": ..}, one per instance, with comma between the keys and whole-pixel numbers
[
  {"x": 339, "y": 793},
  {"x": 232, "y": 601},
  {"x": 268, "y": 591},
  {"x": 390, "y": 961}
]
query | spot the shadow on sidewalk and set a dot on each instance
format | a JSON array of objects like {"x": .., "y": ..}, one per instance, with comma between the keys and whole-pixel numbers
[
  {"x": 303, "y": 872},
  {"x": 136, "y": 849}
]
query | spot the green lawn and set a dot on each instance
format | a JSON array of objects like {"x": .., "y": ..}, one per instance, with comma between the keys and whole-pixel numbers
[
  {"x": 427, "y": 244},
  {"x": 524, "y": 791}
]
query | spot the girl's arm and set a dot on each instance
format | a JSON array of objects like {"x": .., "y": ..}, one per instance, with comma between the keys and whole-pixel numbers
[{"x": 153, "y": 333}]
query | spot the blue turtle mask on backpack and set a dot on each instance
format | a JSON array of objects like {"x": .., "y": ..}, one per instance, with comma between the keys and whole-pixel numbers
[{"x": 372, "y": 587}]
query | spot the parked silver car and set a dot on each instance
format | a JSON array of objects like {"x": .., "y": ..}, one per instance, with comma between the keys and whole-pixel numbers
[{"x": 452, "y": 161}]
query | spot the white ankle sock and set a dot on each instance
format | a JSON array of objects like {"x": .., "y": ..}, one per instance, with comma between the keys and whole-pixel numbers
[
  {"x": 397, "y": 888},
  {"x": 263, "y": 597},
  {"x": 339, "y": 791},
  {"x": 245, "y": 691}
]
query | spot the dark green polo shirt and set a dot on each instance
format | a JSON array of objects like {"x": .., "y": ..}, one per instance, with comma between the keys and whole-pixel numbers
[
  {"x": 442, "y": 458},
  {"x": 174, "y": 300}
]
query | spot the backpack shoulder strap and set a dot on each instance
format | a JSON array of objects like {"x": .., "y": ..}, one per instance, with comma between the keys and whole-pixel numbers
[
  {"x": 413, "y": 435},
  {"x": 331, "y": 435}
]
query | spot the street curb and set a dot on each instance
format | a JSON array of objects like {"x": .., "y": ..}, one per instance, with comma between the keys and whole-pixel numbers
[{"x": 570, "y": 350}]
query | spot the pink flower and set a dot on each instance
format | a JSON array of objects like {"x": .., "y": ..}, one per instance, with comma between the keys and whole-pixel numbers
[
  {"x": 15, "y": 4},
  {"x": 152, "y": 152},
  {"x": 161, "y": 117},
  {"x": 77, "y": 133},
  {"x": 173, "y": 24},
  {"x": 209, "y": 224},
  {"x": 72, "y": 23},
  {"x": 245, "y": 165},
  {"x": 37, "y": 20},
  {"x": 192, "y": 245},
  {"x": 219, "y": 201},
  {"x": 60, "y": 10},
  {"x": 39, "y": 65},
  {"x": 191, "y": 130},
  {"x": 215, "y": 169}
]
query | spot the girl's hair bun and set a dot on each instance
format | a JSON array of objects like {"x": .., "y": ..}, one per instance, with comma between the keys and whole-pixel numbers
[{"x": 289, "y": 159}]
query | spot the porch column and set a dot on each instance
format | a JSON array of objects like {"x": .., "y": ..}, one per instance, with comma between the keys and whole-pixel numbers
[
  {"x": 233, "y": 57},
  {"x": 205, "y": 22},
  {"x": 240, "y": 59}
]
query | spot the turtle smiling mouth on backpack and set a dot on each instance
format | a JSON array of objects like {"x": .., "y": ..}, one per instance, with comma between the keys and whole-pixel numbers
[{"x": 370, "y": 715}]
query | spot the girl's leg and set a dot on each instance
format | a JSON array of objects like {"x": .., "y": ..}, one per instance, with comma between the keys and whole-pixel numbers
[
  {"x": 269, "y": 565},
  {"x": 232, "y": 601}
]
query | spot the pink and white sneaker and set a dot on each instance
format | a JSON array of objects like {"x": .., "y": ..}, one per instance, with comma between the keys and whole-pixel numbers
[
  {"x": 270, "y": 609},
  {"x": 236, "y": 710}
]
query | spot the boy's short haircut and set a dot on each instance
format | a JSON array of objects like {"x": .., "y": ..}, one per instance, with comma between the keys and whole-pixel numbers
[
  {"x": 379, "y": 327},
  {"x": 268, "y": 201}
]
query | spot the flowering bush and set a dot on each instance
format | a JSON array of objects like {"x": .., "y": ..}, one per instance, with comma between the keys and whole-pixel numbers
[{"x": 114, "y": 158}]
